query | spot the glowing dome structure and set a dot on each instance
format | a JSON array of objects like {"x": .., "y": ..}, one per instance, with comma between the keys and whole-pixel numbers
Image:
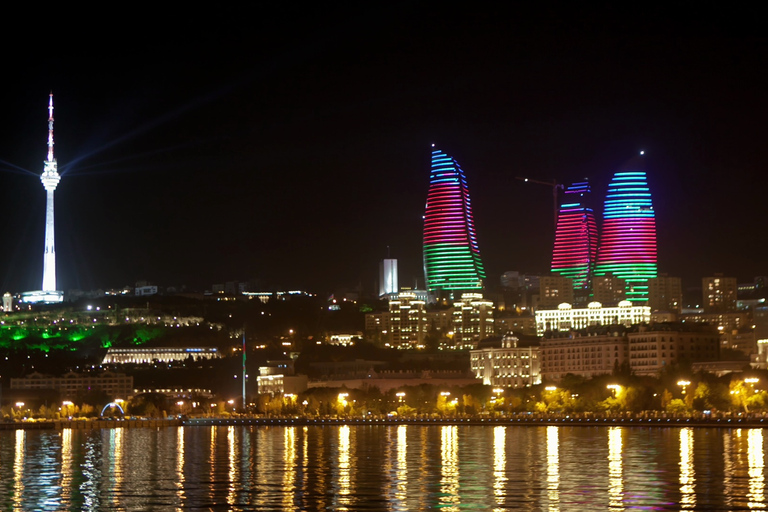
[
  {"x": 628, "y": 240},
  {"x": 451, "y": 255},
  {"x": 575, "y": 248}
]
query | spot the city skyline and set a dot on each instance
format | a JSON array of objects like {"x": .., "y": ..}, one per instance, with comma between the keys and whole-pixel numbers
[{"x": 294, "y": 151}]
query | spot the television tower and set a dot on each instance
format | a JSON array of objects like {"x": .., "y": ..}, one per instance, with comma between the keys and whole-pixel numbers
[{"x": 50, "y": 179}]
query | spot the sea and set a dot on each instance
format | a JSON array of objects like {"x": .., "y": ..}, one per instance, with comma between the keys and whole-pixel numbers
[{"x": 384, "y": 467}]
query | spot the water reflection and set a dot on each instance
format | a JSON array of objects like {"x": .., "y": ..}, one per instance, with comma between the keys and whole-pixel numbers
[
  {"x": 499, "y": 464},
  {"x": 180, "y": 465},
  {"x": 449, "y": 483},
  {"x": 756, "y": 494},
  {"x": 401, "y": 471},
  {"x": 553, "y": 468},
  {"x": 18, "y": 468},
  {"x": 344, "y": 469},
  {"x": 615, "y": 472},
  {"x": 687, "y": 471},
  {"x": 289, "y": 461},
  {"x": 375, "y": 468}
]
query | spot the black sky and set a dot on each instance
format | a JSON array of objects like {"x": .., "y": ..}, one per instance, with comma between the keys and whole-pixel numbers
[{"x": 293, "y": 146}]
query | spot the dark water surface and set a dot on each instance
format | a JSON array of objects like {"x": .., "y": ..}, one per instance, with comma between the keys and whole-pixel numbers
[{"x": 384, "y": 468}]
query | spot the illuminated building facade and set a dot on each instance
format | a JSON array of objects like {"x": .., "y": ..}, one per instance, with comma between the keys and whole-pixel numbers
[
  {"x": 451, "y": 255},
  {"x": 150, "y": 355},
  {"x": 407, "y": 321},
  {"x": 585, "y": 356},
  {"x": 50, "y": 179},
  {"x": 506, "y": 364},
  {"x": 628, "y": 240},
  {"x": 388, "y": 281},
  {"x": 566, "y": 318},
  {"x": 472, "y": 320},
  {"x": 576, "y": 237}
]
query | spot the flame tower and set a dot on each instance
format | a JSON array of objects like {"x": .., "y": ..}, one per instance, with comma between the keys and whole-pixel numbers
[
  {"x": 575, "y": 248},
  {"x": 451, "y": 256},
  {"x": 628, "y": 241}
]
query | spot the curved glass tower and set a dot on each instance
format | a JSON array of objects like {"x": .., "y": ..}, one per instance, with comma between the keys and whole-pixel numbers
[
  {"x": 451, "y": 256},
  {"x": 575, "y": 248},
  {"x": 628, "y": 241}
]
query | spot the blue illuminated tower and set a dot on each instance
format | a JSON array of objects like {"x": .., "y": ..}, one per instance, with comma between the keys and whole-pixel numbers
[
  {"x": 451, "y": 256},
  {"x": 628, "y": 240}
]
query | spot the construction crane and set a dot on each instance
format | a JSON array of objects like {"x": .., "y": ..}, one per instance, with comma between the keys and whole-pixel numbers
[{"x": 555, "y": 186}]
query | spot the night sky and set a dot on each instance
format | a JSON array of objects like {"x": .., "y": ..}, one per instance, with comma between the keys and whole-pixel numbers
[{"x": 293, "y": 147}]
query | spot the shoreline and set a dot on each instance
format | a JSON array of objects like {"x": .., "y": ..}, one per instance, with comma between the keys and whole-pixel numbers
[{"x": 207, "y": 422}]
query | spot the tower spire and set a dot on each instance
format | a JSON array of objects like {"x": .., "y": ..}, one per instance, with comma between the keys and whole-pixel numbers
[{"x": 50, "y": 127}]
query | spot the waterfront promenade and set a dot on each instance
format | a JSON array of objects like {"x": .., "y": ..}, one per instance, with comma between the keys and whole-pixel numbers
[{"x": 518, "y": 420}]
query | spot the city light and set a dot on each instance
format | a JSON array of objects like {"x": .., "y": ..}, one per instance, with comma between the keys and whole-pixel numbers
[
  {"x": 451, "y": 254},
  {"x": 576, "y": 237},
  {"x": 628, "y": 238}
]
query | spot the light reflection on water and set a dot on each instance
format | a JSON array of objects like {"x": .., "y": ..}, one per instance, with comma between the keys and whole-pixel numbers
[{"x": 383, "y": 468}]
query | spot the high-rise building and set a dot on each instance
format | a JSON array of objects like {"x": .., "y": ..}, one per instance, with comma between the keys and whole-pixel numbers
[
  {"x": 388, "y": 282},
  {"x": 718, "y": 293},
  {"x": 628, "y": 240},
  {"x": 555, "y": 290},
  {"x": 50, "y": 179},
  {"x": 576, "y": 237},
  {"x": 451, "y": 256},
  {"x": 472, "y": 320},
  {"x": 665, "y": 293},
  {"x": 608, "y": 290}
]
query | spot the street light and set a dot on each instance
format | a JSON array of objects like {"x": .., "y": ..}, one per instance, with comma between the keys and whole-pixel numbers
[
  {"x": 615, "y": 389},
  {"x": 684, "y": 384}
]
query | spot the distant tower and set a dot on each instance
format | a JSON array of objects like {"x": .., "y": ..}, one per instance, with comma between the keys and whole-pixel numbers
[
  {"x": 388, "y": 281},
  {"x": 451, "y": 257},
  {"x": 50, "y": 179},
  {"x": 575, "y": 249},
  {"x": 628, "y": 239}
]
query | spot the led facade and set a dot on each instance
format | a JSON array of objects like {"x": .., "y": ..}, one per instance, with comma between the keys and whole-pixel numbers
[
  {"x": 628, "y": 241},
  {"x": 576, "y": 237},
  {"x": 451, "y": 255}
]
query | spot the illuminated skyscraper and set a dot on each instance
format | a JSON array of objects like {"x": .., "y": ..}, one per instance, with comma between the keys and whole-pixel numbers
[
  {"x": 50, "y": 179},
  {"x": 451, "y": 256},
  {"x": 388, "y": 282},
  {"x": 628, "y": 240},
  {"x": 576, "y": 237}
]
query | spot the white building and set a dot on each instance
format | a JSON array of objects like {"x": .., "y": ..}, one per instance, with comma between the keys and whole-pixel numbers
[
  {"x": 566, "y": 318},
  {"x": 472, "y": 320},
  {"x": 388, "y": 279},
  {"x": 506, "y": 364},
  {"x": 147, "y": 355}
]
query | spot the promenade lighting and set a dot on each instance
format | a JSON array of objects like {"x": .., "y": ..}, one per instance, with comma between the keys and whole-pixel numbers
[
  {"x": 19, "y": 404},
  {"x": 615, "y": 389},
  {"x": 552, "y": 388},
  {"x": 684, "y": 384},
  {"x": 445, "y": 393},
  {"x": 752, "y": 380}
]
